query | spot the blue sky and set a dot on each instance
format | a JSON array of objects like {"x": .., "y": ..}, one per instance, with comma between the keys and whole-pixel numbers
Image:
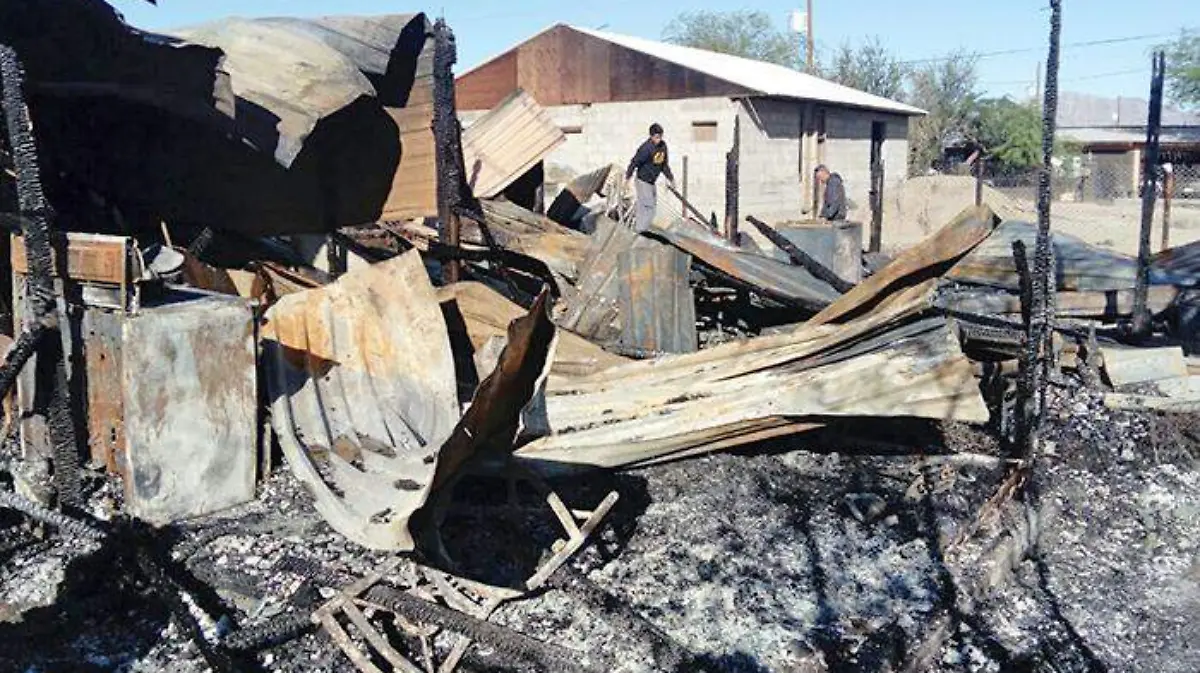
[{"x": 914, "y": 29}]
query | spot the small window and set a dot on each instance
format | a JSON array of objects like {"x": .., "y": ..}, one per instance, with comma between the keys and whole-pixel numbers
[
  {"x": 571, "y": 130},
  {"x": 704, "y": 132}
]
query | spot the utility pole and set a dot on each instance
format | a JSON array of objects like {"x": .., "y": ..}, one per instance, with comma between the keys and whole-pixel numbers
[
  {"x": 808, "y": 38},
  {"x": 1037, "y": 90}
]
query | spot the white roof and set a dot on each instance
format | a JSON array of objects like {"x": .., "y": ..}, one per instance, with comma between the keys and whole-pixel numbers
[{"x": 765, "y": 78}]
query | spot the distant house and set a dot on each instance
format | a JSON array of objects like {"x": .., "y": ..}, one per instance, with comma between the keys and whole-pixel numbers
[
  {"x": 1113, "y": 154},
  {"x": 604, "y": 90}
]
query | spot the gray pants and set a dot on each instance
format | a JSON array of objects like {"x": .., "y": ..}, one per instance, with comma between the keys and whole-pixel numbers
[{"x": 647, "y": 203}]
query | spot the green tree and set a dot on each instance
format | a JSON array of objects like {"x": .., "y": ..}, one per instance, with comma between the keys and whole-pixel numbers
[
  {"x": 746, "y": 33},
  {"x": 870, "y": 67},
  {"x": 947, "y": 90},
  {"x": 1183, "y": 69},
  {"x": 1011, "y": 133}
]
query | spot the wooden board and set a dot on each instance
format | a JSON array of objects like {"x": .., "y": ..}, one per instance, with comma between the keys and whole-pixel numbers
[{"x": 89, "y": 257}]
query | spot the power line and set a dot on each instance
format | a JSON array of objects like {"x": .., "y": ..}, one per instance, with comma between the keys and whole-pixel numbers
[
  {"x": 1028, "y": 50},
  {"x": 1102, "y": 75}
]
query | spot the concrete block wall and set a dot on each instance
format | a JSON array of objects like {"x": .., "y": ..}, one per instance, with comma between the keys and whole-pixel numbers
[
  {"x": 612, "y": 132},
  {"x": 772, "y": 132},
  {"x": 848, "y": 152}
]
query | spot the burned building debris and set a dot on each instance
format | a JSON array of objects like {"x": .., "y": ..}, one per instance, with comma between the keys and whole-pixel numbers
[{"x": 301, "y": 373}]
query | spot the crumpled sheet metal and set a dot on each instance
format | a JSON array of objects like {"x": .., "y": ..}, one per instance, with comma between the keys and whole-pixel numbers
[
  {"x": 780, "y": 281},
  {"x": 595, "y": 311},
  {"x": 971, "y": 227},
  {"x": 289, "y": 74},
  {"x": 361, "y": 380},
  {"x": 883, "y": 364},
  {"x": 1081, "y": 267}
]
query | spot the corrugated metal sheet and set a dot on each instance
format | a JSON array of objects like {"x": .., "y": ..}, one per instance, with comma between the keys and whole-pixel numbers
[
  {"x": 364, "y": 400},
  {"x": 506, "y": 142},
  {"x": 883, "y": 364},
  {"x": 566, "y": 205},
  {"x": 594, "y": 312},
  {"x": 658, "y": 308},
  {"x": 1081, "y": 266},
  {"x": 1107, "y": 305},
  {"x": 190, "y": 398},
  {"x": 780, "y": 281},
  {"x": 948, "y": 244},
  {"x": 519, "y": 230}
]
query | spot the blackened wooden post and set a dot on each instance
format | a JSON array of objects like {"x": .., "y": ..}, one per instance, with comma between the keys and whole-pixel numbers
[
  {"x": 731, "y": 183},
  {"x": 1141, "y": 314},
  {"x": 1168, "y": 194},
  {"x": 452, "y": 189}
]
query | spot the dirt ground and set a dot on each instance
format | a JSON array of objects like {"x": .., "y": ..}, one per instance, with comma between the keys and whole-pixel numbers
[{"x": 925, "y": 204}]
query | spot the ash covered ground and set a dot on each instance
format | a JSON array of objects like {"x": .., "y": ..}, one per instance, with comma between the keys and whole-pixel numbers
[{"x": 819, "y": 553}]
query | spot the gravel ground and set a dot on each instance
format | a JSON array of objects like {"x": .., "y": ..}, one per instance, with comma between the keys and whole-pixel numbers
[{"x": 819, "y": 553}]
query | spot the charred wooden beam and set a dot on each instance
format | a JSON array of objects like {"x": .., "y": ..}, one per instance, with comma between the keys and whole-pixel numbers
[
  {"x": 732, "y": 189},
  {"x": 801, "y": 258},
  {"x": 453, "y": 192},
  {"x": 1141, "y": 316}
]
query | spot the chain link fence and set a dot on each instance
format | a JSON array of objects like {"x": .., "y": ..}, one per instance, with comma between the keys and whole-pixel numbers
[{"x": 1098, "y": 197}]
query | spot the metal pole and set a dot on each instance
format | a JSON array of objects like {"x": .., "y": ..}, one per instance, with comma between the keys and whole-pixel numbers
[
  {"x": 685, "y": 180},
  {"x": 979, "y": 177},
  {"x": 1168, "y": 194},
  {"x": 808, "y": 38},
  {"x": 1141, "y": 315}
]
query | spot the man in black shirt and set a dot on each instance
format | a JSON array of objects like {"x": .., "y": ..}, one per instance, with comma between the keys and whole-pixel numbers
[
  {"x": 834, "y": 203},
  {"x": 648, "y": 163}
]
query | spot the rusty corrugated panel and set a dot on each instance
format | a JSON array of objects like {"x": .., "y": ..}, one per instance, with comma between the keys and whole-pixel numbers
[
  {"x": 594, "y": 311},
  {"x": 887, "y": 363},
  {"x": 1106, "y": 304},
  {"x": 915, "y": 264},
  {"x": 1081, "y": 266},
  {"x": 486, "y": 315},
  {"x": 577, "y": 192},
  {"x": 658, "y": 309},
  {"x": 361, "y": 379},
  {"x": 105, "y": 400},
  {"x": 506, "y": 142},
  {"x": 190, "y": 403},
  {"x": 786, "y": 283},
  {"x": 519, "y": 230},
  {"x": 292, "y": 111}
]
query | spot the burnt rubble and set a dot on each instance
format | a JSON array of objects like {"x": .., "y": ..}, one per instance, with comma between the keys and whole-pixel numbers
[{"x": 422, "y": 426}]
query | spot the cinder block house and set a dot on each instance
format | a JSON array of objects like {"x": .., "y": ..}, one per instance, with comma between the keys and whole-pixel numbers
[{"x": 604, "y": 90}]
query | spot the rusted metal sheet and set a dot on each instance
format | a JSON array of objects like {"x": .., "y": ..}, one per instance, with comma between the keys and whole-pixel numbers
[
  {"x": 190, "y": 402},
  {"x": 361, "y": 379},
  {"x": 1080, "y": 266},
  {"x": 947, "y": 245},
  {"x": 102, "y": 332},
  {"x": 519, "y": 230},
  {"x": 565, "y": 207},
  {"x": 89, "y": 257},
  {"x": 883, "y": 364},
  {"x": 293, "y": 111},
  {"x": 594, "y": 311},
  {"x": 486, "y": 314},
  {"x": 1109, "y": 305},
  {"x": 506, "y": 142},
  {"x": 776, "y": 280},
  {"x": 658, "y": 308}
]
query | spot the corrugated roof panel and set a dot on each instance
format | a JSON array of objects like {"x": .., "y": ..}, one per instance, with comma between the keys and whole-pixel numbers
[
  {"x": 658, "y": 308},
  {"x": 506, "y": 142}
]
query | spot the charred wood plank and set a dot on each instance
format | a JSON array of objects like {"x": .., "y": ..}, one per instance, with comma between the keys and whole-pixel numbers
[{"x": 801, "y": 258}]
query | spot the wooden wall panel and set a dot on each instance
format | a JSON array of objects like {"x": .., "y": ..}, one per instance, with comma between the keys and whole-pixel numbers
[
  {"x": 565, "y": 67},
  {"x": 484, "y": 88}
]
